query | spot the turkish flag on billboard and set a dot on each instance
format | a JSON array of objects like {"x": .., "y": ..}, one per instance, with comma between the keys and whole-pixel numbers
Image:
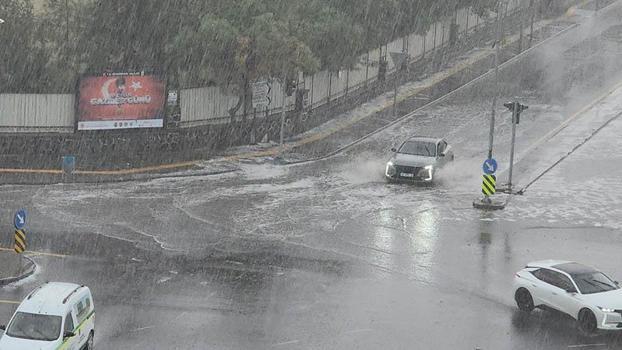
[{"x": 121, "y": 101}]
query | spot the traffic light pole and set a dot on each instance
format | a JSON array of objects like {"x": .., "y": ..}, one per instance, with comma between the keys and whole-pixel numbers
[{"x": 514, "y": 120}]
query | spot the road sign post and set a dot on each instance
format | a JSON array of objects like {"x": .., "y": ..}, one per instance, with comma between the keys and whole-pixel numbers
[
  {"x": 19, "y": 220},
  {"x": 20, "y": 241},
  {"x": 490, "y": 166},
  {"x": 489, "y": 187},
  {"x": 69, "y": 166}
]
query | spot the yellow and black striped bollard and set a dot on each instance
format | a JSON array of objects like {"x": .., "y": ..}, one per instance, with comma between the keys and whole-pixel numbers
[
  {"x": 20, "y": 241},
  {"x": 489, "y": 185}
]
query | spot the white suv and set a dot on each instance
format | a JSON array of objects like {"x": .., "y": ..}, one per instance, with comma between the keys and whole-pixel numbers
[
  {"x": 584, "y": 293},
  {"x": 53, "y": 316}
]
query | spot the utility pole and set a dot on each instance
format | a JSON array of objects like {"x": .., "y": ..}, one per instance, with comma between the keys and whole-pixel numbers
[
  {"x": 523, "y": 13},
  {"x": 395, "y": 81},
  {"x": 284, "y": 87},
  {"x": 66, "y": 22},
  {"x": 496, "y": 85},
  {"x": 400, "y": 61},
  {"x": 533, "y": 15}
]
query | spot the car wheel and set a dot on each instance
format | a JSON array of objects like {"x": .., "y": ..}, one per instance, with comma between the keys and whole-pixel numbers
[
  {"x": 524, "y": 301},
  {"x": 587, "y": 322},
  {"x": 89, "y": 342}
]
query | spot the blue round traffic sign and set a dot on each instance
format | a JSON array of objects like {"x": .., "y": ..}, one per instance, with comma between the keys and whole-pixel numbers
[
  {"x": 20, "y": 219},
  {"x": 490, "y": 166}
]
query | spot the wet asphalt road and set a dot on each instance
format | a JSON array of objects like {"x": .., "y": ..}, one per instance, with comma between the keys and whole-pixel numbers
[{"x": 326, "y": 255}]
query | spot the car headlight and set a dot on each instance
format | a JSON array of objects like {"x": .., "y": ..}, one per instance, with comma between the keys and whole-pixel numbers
[
  {"x": 430, "y": 169},
  {"x": 606, "y": 310},
  {"x": 390, "y": 171}
]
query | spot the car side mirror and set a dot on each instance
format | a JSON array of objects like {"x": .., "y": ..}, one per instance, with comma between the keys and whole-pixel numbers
[
  {"x": 571, "y": 291},
  {"x": 617, "y": 283},
  {"x": 3, "y": 327},
  {"x": 393, "y": 150},
  {"x": 69, "y": 334}
]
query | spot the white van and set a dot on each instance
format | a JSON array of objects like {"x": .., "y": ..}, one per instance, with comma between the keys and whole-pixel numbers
[{"x": 53, "y": 316}]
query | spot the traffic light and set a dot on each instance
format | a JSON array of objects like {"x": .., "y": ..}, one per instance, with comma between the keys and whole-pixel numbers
[{"x": 519, "y": 109}]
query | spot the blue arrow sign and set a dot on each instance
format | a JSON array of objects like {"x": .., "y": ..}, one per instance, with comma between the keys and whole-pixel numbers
[
  {"x": 490, "y": 166},
  {"x": 20, "y": 219}
]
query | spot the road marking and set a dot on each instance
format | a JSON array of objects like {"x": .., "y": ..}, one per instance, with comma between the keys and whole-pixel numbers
[
  {"x": 141, "y": 329},
  {"x": 37, "y": 253},
  {"x": 287, "y": 343},
  {"x": 354, "y": 331},
  {"x": 12, "y": 302},
  {"x": 585, "y": 345}
]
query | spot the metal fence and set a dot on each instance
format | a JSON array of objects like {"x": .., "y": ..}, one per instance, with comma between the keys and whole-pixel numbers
[
  {"x": 210, "y": 105},
  {"x": 36, "y": 113}
]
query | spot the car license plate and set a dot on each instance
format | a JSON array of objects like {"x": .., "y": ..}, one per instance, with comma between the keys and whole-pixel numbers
[{"x": 407, "y": 175}]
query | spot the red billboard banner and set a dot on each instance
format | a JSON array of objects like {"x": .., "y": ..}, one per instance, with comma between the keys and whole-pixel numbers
[{"x": 121, "y": 101}]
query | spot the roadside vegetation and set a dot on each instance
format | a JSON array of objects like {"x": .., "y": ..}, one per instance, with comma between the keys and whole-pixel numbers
[{"x": 227, "y": 43}]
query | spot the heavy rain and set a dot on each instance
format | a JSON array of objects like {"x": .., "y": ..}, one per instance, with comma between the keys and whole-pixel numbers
[{"x": 319, "y": 174}]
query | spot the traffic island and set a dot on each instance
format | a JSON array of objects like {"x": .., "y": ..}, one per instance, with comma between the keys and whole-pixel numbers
[
  {"x": 15, "y": 268},
  {"x": 488, "y": 203}
]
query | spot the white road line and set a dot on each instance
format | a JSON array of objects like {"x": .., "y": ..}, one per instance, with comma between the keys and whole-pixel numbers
[
  {"x": 585, "y": 345},
  {"x": 287, "y": 343}
]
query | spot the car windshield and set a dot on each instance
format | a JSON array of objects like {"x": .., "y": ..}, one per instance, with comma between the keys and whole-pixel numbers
[
  {"x": 594, "y": 282},
  {"x": 35, "y": 326},
  {"x": 419, "y": 148}
]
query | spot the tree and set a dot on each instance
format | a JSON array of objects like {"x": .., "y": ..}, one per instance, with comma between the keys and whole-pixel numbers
[{"x": 19, "y": 52}]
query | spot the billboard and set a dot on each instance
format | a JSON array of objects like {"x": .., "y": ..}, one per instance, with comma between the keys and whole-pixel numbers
[{"x": 121, "y": 101}]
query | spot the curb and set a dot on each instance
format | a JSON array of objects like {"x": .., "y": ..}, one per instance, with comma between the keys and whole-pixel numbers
[{"x": 31, "y": 270}]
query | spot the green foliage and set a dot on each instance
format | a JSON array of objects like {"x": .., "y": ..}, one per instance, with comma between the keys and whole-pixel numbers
[
  {"x": 201, "y": 42},
  {"x": 17, "y": 53}
]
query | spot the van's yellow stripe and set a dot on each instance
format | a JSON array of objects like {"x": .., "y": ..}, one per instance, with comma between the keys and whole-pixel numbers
[{"x": 66, "y": 342}]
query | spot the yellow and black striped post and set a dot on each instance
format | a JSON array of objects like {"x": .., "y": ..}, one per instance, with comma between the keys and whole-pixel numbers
[
  {"x": 489, "y": 185},
  {"x": 20, "y": 241}
]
